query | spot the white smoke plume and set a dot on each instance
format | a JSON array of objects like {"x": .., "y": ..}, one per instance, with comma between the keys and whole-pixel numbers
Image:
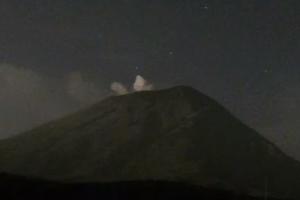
[
  {"x": 141, "y": 84},
  {"x": 118, "y": 88}
]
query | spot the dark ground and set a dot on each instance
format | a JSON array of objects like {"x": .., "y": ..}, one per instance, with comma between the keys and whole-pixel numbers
[{"x": 15, "y": 188}]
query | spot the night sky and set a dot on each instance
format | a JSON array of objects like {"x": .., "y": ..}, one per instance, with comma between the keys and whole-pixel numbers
[{"x": 57, "y": 56}]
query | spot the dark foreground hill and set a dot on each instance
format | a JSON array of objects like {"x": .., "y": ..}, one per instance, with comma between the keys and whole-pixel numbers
[
  {"x": 17, "y": 188},
  {"x": 176, "y": 134}
]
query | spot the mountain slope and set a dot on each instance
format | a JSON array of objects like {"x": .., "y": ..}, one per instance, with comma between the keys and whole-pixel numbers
[{"x": 176, "y": 134}]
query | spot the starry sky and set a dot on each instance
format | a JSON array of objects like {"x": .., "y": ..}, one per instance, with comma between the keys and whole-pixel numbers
[{"x": 61, "y": 55}]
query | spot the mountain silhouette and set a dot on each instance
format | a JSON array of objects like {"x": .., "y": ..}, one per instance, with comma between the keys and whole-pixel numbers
[{"x": 176, "y": 134}]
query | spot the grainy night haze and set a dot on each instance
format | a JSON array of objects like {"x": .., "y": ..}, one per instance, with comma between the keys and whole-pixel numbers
[{"x": 57, "y": 57}]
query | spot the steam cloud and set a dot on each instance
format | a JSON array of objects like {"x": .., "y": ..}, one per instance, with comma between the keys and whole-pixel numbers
[
  {"x": 140, "y": 84},
  {"x": 118, "y": 88}
]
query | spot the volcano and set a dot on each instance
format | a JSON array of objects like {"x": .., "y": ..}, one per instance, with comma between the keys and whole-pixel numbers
[{"x": 176, "y": 134}]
